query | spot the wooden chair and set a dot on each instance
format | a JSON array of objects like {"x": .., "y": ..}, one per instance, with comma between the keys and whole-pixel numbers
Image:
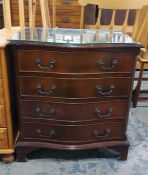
[
  {"x": 9, "y": 29},
  {"x": 139, "y": 30},
  {"x": 115, "y": 5},
  {"x": 46, "y": 20},
  {"x": 143, "y": 60},
  {"x": 7, "y": 13}
]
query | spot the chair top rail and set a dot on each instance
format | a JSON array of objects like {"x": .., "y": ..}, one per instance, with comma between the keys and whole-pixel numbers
[{"x": 116, "y": 4}]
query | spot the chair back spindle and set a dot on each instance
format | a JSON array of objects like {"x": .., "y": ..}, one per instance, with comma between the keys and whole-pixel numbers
[
  {"x": 32, "y": 13},
  {"x": 142, "y": 35},
  {"x": 21, "y": 13},
  {"x": 45, "y": 13},
  {"x": 7, "y": 14},
  {"x": 54, "y": 13},
  {"x": 32, "y": 9}
]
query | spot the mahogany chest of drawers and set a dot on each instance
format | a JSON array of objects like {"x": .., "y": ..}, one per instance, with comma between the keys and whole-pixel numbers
[{"x": 73, "y": 97}]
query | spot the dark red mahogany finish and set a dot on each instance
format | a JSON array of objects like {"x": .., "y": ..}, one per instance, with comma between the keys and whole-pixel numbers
[{"x": 70, "y": 100}]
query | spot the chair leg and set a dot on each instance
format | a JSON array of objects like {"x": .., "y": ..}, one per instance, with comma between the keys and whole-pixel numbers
[{"x": 136, "y": 91}]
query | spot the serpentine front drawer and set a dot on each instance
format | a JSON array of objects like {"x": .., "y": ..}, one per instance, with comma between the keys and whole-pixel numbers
[
  {"x": 74, "y": 62},
  {"x": 73, "y": 133},
  {"x": 74, "y": 87},
  {"x": 67, "y": 112}
]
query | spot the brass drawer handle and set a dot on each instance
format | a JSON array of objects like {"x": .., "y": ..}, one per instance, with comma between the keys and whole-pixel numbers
[
  {"x": 42, "y": 92},
  {"x": 101, "y": 136},
  {"x": 65, "y": 19},
  {"x": 50, "y": 134},
  {"x": 66, "y": 1},
  {"x": 104, "y": 93},
  {"x": 105, "y": 115},
  {"x": 49, "y": 66},
  {"x": 50, "y": 112},
  {"x": 105, "y": 67}
]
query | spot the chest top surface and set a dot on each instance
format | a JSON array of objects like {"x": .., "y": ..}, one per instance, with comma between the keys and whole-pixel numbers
[{"x": 74, "y": 37}]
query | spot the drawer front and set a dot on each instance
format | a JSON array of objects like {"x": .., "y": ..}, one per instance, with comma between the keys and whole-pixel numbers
[
  {"x": 68, "y": 111},
  {"x": 69, "y": 18},
  {"x": 69, "y": 62},
  {"x": 1, "y": 93},
  {"x": 73, "y": 133},
  {"x": 2, "y": 116},
  {"x": 3, "y": 138},
  {"x": 75, "y": 88}
]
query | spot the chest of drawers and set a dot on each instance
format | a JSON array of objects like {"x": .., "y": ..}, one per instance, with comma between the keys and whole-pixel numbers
[
  {"x": 7, "y": 132},
  {"x": 73, "y": 97}
]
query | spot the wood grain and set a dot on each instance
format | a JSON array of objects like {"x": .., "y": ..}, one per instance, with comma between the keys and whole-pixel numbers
[
  {"x": 2, "y": 116},
  {"x": 7, "y": 135},
  {"x": 70, "y": 10},
  {"x": 67, "y": 112},
  {"x": 73, "y": 96},
  {"x": 0, "y": 71},
  {"x": 70, "y": 62},
  {"x": 1, "y": 93},
  {"x": 115, "y": 5},
  {"x": 73, "y": 134},
  {"x": 7, "y": 99},
  {"x": 7, "y": 14},
  {"x": 74, "y": 88},
  {"x": 71, "y": 15},
  {"x": 3, "y": 138}
]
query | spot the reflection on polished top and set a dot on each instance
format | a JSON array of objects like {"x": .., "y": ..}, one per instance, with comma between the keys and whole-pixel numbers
[{"x": 72, "y": 36}]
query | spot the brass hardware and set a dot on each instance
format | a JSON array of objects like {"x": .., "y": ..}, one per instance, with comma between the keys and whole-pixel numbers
[
  {"x": 42, "y": 92},
  {"x": 50, "y": 134},
  {"x": 101, "y": 136},
  {"x": 105, "y": 115},
  {"x": 105, "y": 67},
  {"x": 49, "y": 66},
  {"x": 50, "y": 112},
  {"x": 104, "y": 93}
]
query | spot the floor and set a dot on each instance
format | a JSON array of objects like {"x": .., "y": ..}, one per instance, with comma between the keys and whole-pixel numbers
[{"x": 47, "y": 162}]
